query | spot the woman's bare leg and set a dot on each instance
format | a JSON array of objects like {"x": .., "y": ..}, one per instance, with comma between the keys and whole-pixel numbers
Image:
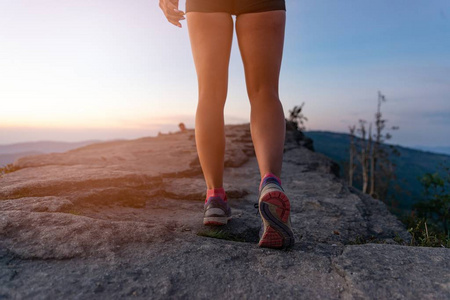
[
  {"x": 261, "y": 39},
  {"x": 211, "y": 36}
]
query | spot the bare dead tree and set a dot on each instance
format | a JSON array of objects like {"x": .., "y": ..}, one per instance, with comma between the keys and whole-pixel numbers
[
  {"x": 374, "y": 157},
  {"x": 363, "y": 156},
  {"x": 352, "y": 166},
  {"x": 382, "y": 168},
  {"x": 378, "y": 137},
  {"x": 369, "y": 155}
]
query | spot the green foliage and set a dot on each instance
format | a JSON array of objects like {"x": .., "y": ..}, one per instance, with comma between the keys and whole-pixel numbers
[
  {"x": 425, "y": 235},
  {"x": 398, "y": 239},
  {"x": 436, "y": 205},
  {"x": 429, "y": 221},
  {"x": 433, "y": 183}
]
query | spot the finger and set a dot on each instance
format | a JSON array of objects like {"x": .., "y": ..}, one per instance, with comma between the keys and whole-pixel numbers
[
  {"x": 178, "y": 24},
  {"x": 173, "y": 6},
  {"x": 175, "y": 12},
  {"x": 180, "y": 12},
  {"x": 175, "y": 19},
  {"x": 175, "y": 16},
  {"x": 171, "y": 11}
]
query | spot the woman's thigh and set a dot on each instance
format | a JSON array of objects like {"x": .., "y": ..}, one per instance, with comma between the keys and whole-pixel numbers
[
  {"x": 261, "y": 38},
  {"x": 211, "y": 35},
  {"x": 254, "y": 6}
]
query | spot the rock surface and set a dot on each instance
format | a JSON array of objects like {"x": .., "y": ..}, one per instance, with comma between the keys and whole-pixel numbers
[{"x": 124, "y": 219}]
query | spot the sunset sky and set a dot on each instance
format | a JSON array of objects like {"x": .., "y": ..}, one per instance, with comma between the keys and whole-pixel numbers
[{"x": 105, "y": 69}]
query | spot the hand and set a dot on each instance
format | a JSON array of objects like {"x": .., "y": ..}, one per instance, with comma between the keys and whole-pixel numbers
[{"x": 170, "y": 10}]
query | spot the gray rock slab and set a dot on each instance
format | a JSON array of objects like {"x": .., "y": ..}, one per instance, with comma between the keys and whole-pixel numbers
[
  {"x": 374, "y": 271},
  {"x": 43, "y": 235},
  {"x": 194, "y": 268},
  {"x": 124, "y": 219},
  {"x": 36, "y": 204}
]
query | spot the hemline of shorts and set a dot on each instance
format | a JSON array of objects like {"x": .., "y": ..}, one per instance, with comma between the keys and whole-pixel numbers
[{"x": 234, "y": 7}]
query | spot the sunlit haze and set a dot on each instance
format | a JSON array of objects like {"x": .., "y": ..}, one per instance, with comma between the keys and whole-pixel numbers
[{"x": 106, "y": 69}]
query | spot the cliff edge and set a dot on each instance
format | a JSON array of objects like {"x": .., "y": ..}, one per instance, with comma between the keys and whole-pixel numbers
[{"x": 124, "y": 219}]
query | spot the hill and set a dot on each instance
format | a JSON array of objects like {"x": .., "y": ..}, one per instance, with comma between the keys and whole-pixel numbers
[
  {"x": 10, "y": 152},
  {"x": 411, "y": 165},
  {"x": 441, "y": 150}
]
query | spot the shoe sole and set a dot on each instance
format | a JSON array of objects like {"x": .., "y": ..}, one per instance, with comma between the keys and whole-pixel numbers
[
  {"x": 275, "y": 208},
  {"x": 216, "y": 221}
]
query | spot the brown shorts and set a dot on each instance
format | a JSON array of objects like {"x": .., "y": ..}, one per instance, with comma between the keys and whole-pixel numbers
[{"x": 234, "y": 7}]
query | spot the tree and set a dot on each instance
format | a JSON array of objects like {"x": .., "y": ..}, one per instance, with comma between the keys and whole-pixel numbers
[
  {"x": 436, "y": 206},
  {"x": 351, "y": 164},
  {"x": 379, "y": 125},
  {"x": 363, "y": 156},
  {"x": 296, "y": 116},
  {"x": 382, "y": 167},
  {"x": 430, "y": 218},
  {"x": 377, "y": 169}
]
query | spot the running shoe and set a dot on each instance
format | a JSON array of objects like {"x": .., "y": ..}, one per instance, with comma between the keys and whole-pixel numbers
[
  {"x": 274, "y": 208},
  {"x": 216, "y": 212}
]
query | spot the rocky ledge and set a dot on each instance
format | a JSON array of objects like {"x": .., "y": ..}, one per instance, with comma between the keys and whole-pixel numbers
[{"x": 124, "y": 219}]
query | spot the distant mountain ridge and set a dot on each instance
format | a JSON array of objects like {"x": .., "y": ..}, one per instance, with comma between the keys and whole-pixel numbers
[
  {"x": 43, "y": 146},
  {"x": 10, "y": 152},
  {"x": 411, "y": 165},
  {"x": 439, "y": 150}
]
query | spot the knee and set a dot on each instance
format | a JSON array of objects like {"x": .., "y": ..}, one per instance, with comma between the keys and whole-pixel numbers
[
  {"x": 263, "y": 96},
  {"x": 212, "y": 98}
]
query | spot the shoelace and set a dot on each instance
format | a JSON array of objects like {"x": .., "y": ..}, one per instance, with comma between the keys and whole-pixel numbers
[{"x": 256, "y": 205}]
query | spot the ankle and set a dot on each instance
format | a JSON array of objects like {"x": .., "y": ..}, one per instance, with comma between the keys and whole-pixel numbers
[
  {"x": 216, "y": 192},
  {"x": 269, "y": 177}
]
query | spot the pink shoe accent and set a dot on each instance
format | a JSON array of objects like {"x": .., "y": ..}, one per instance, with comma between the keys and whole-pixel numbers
[
  {"x": 281, "y": 202},
  {"x": 271, "y": 239},
  {"x": 267, "y": 176},
  {"x": 220, "y": 192},
  {"x": 275, "y": 208}
]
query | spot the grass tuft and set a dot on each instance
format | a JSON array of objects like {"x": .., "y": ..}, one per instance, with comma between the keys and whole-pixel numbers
[{"x": 426, "y": 235}]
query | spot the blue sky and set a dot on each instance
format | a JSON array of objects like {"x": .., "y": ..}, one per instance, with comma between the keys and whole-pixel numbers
[{"x": 75, "y": 70}]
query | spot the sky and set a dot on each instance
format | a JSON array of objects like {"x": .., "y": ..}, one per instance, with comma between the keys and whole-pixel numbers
[{"x": 106, "y": 69}]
